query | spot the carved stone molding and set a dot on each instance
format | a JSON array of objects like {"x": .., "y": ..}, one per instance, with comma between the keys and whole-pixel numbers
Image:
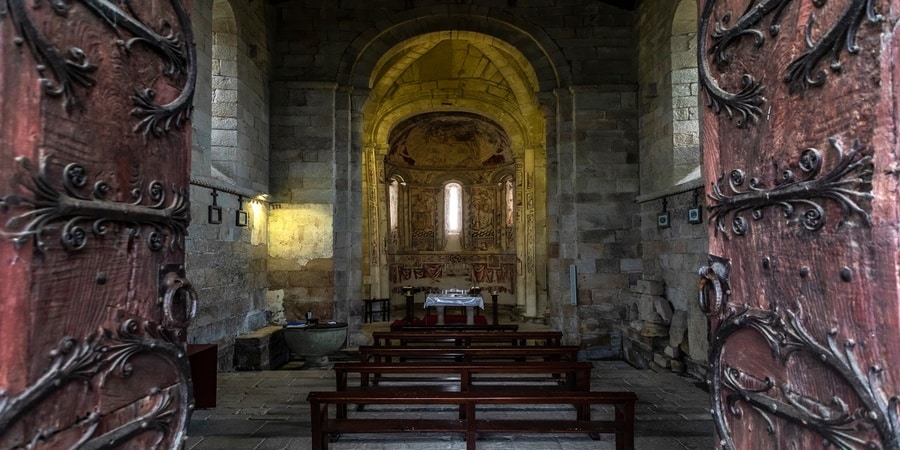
[
  {"x": 839, "y": 425},
  {"x": 150, "y": 214},
  {"x": 64, "y": 70},
  {"x": 803, "y": 72},
  {"x": 847, "y": 183},
  {"x": 93, "y": 360}
]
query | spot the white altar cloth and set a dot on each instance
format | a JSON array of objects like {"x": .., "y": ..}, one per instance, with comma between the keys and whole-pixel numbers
[{"x": 439, "y": 302}]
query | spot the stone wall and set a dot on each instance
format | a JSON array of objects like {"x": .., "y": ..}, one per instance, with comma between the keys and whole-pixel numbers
[
  {"x": 603, "y": 216},
  {"x": 615, "y": 89},
  {"x": 301, "y": 248},
  {"x": 227, "y": 264},
  {"x": 585, "y": 49},
  {"x": 301, "y": 270},
  {"x": 669, "y": 93},
  {"x": 665, "y": 328}
]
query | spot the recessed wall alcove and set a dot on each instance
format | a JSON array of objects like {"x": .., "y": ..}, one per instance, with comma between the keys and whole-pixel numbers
[
  {"x": 451, "y": 204},
  {"x": 453, "y": 171}
]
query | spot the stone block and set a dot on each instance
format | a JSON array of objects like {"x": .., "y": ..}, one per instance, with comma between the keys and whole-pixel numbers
[
  {"x": 654, "y": 329},
  {"x": 672, "y": 352},
  {"x": 678, "y": 328},
  {"x": 631, "y": 265},
  {"x": 663, "y": 308},
  {"x": 662, "y": 360},
  {"x": 275, "y": 305},
  {"x": 263, "y": 349},
  {"x": 649, "y": 287}
]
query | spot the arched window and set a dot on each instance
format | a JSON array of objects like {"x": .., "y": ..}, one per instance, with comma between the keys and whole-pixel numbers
[
  {"x": 453, "y": 209},
  {"x": 394, "y": 205},
  {"x": 685, "y": 94},
  {"x": 453, "y": 217},
  {"x": 509, "y": 203},
  {"x": 224, "y": 143}
]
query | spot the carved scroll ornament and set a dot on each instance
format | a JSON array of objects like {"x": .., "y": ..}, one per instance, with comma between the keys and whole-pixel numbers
[
  {"x": 846, "y": 184},
  {"x": 63, "y": 71},
  {"x": 157, "y": 220},
  {"x": 840, "y": 426},
  {"x": 94, "y": 360},
  {"x": 803, "y": 72}
]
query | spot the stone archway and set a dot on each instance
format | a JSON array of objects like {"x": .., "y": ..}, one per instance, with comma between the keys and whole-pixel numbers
[{"x": 454, "y": 73}]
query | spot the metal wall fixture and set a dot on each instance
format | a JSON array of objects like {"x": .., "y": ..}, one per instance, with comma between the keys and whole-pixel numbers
[
  {"x": 240, "y": 216},
  {"x": 662, "y": 219},
  {"x": 695, "y": 213},
  {"x": 214, "y": 212}
]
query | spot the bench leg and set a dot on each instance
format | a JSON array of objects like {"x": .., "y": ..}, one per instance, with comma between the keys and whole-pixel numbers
[
  {"x": 584, "y": 411},
  {"x": 318, "y": 415},
  {"x": 625, "y": 426},
  {"x": 471, "y": 434}
]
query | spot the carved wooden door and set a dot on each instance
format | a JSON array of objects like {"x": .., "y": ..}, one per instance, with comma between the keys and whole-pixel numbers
[
  {"x": 801, "y": 158},
  {"x": 94, "y": 179}
]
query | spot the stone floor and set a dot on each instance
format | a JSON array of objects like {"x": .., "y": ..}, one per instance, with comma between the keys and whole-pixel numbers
[{"x": 268, "y": 410}]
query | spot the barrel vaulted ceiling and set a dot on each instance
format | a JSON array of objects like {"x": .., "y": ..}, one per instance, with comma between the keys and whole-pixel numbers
[{"x": 454, "y": 72}]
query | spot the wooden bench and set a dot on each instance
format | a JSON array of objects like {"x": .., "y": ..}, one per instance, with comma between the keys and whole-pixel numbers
[
  {"x": 323, "y": 425},
  {"x": 384, "y": 353},
  {"x": 575, "y": 375},
  {"x": 567, "y": 375},
  {"x": 466, "y": 338},
  {"x": 455, "y": 327}
]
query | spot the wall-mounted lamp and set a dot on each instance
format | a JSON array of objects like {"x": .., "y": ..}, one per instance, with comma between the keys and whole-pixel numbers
[
  {"x": 662, "y": 219},
  {"x": 695, "y": 214},
  {"x": 214, "y": 212},
  {"x": 262, "y": 197},
  {"x": 240, "y": 216}
]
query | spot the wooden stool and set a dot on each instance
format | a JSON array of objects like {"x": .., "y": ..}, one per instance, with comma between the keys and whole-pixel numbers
[{"x": 370, "y": 311}]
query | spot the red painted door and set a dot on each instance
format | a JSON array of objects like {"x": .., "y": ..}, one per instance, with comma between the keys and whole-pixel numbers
[
  {"x": 94, "y": 178},
  {"x": 800, "y": 129}
]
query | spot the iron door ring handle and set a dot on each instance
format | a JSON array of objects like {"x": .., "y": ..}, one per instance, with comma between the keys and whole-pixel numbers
[
  {"x": 716, "y": 275},
  {"x": 174, "y": 284}
]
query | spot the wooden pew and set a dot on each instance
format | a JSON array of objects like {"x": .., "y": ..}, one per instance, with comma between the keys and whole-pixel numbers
[
  {"x": 323, "y": 425},
  {"x": 384, "y": 353},
  {"x": 574, "y": 375},
  {"x": 466, "y": 338},
  {"x": 567, "y": 375},
  {"x": 502, "y": 328}
]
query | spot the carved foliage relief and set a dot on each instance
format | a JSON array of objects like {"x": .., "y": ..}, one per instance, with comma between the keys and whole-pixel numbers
[
  {"x": 158, "y": 215},
  {"x": 67, "y": 71},
  {"x": 741, "y": 95},
  {"x": 797, "y": 353},
  {"x": 868, "y": 418},
  {"x": 109, "y": 184},
  {"x": 801, "y": 193},
  {"x": 98, "y": 363}
]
